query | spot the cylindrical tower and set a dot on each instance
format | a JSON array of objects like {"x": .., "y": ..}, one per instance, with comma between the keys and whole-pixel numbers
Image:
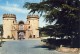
[
  {"x": 8, "y": 21},
  {"x": 34, "y": 25}
]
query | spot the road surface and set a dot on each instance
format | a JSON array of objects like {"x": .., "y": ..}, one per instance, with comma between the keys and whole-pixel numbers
[{"x": 25, "y": 47}]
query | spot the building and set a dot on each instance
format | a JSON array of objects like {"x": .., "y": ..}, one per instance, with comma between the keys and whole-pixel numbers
[{"x": 14, "y": 29}]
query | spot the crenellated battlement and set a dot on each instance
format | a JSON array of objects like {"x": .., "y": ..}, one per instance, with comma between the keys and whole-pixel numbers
[
  {"x": 32, "y": 16},
  {"x": 9, "y": 16}
]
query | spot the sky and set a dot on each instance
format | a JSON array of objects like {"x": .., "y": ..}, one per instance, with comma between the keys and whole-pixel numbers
[{"x": 16, "y": 7}]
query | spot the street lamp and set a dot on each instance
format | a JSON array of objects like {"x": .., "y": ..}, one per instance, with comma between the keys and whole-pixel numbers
[{"x": 0, "y": 38}]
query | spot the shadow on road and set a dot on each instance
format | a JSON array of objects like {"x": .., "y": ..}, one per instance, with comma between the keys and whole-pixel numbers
[{"x": 43, "y": 46}]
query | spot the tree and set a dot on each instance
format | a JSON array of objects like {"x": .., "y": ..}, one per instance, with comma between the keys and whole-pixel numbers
[
  {"x": 1, "y": 28},
  {"x": 52, "y": 31},
  {"x": 67, "y": 12}
]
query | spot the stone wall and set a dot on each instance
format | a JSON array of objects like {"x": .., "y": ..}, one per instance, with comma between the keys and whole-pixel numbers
[{"x": 8, "y": 21}]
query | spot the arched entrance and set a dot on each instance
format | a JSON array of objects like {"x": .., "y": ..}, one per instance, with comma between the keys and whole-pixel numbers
[
  {"x": 21, "y": 31},
  {"x": 21, "y": 34}
]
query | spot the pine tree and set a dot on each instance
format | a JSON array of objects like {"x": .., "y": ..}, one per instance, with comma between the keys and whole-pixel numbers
[{"x": 67, "y": 13}]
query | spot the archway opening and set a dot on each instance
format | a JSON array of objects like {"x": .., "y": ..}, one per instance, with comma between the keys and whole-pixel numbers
[
  {"x": 21, "y": 31},
  {"x": 21, "y": 34}
]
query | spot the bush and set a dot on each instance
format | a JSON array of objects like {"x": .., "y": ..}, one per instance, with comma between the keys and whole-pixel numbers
[{"x": 58, "y": 42}]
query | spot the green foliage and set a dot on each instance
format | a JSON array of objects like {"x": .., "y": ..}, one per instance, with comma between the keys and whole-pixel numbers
[
  {"x": 52, "y": 31},
  {"x": 55, "y": 8},
  {"x": 67, "y": 13}
]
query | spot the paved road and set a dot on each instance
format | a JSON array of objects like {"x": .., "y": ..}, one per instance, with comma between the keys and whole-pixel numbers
[{"x": 25, "y": 47}]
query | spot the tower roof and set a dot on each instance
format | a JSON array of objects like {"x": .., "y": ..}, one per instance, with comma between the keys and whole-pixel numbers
[
  {"x": 9, "y": 16},
  {"x": 32, "y": 16}
]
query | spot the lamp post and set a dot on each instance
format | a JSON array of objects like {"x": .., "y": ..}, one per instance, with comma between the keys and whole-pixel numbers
[{"x": 0, "y": 38}]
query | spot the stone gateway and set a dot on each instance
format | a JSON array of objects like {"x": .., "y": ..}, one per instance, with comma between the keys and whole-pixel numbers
[{"x": 21, "y": 29}]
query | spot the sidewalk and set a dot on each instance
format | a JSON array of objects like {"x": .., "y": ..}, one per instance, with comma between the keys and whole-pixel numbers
[
  {"x": 7, "y": 39},
  {"x": 23, "y": 39}
]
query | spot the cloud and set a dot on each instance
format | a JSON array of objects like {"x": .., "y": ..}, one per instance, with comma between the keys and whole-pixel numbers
[
  {"x": 14, "y": 9},
  {"x": 13, "y": 5}
]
